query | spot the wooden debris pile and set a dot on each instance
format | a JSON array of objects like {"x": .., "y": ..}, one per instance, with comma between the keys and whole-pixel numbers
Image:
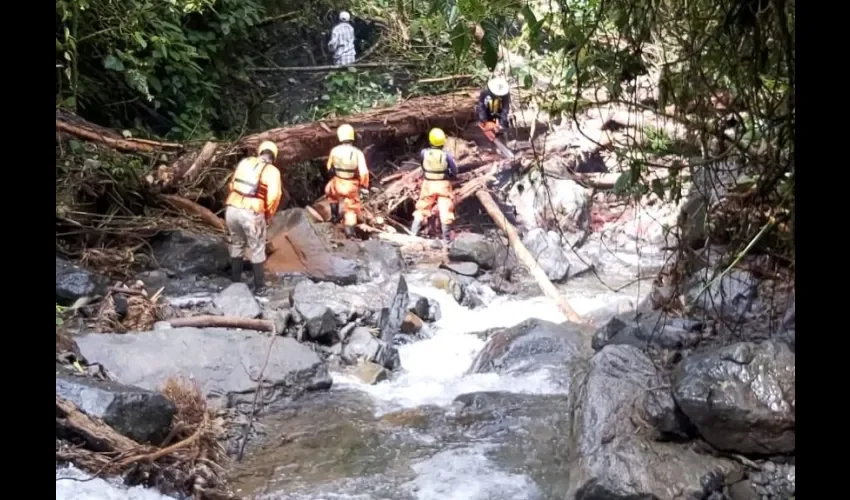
[
  {"x": 191, "y": 461},
  {"x": 128, "y": 308}
]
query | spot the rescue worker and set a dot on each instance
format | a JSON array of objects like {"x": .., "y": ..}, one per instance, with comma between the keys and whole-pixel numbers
[
  {"x": 255, "y": 192},
  {"x": 341, "y": 43},
  {"x": 347, "y": 165},
  {"x": 494, "y": 105},
  {"x": 438, "y": 166}
]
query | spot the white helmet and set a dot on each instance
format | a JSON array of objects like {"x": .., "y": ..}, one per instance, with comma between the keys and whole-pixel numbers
[
  {"x": 498, "y": 86},
  {"x": 344, "y": 17}
]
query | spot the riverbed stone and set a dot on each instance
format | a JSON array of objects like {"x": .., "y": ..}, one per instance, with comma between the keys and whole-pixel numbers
[
  {"x": 615, "y": 459},
  {"x": 529, "y": 346},
  {"x": 224, "y": 362},
  {"x": 742, "y": 397},
  {"x": 378, "y": 259},
  {"x": 141, "y": 415},
  {"x": 545, "y": 247},
  {"x": 462, "y": 268},
  {"x": 412, "y": 324},
  {"x": 473, "y": 247},
  {"x": 370, "y": 373},
  {"x": 183, "y": 253},
  {"x": 361, "y": 345},
  {"x": 346, "y": 302},
  {"x": 730, "y": 296},
  {"x": 393, "y": 315},
  {"x": 74, "y": 282},
  {"x": 648, "y": 329},
  {"x": 237, "y": 300}
]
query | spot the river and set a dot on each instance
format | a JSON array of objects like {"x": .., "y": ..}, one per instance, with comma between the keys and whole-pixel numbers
[{"x": 401, "y": 439}]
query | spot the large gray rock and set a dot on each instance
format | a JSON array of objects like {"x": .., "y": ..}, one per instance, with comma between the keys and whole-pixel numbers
[
  {"x": 614, "y": 460},
  {"x": 223, "y": 362},
  {"x": 379, "y": 258},
  {"x": 473, "y": 247},
  {"x": 547, "y": 202},
  {"x": 528, "y": 346},
  {"x": 361, "y": 345},
  {"x": 741, "y": 397},
  {"x": 346, "y": 302},
  {"x": 730, "y": 296},
  {"x": 183, "y": 253},
  {"x": 74, "y": 282},
  {"x": 141, "y": 415},
  {"x": 237, "y": 300},
  {"x": 648, "y": 329},
  {"x": 545, "y": 247}
]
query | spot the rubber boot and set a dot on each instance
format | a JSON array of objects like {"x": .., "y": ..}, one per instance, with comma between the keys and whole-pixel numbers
[
  {"x": 414, "y": 228},
  {"x": 446, "y": 230},
  {"x": 335, "y": 212},
  {"x": 259, "y": 278},
  {"x": 236, "y": 270},
  {"x": 349, "y": 232}
]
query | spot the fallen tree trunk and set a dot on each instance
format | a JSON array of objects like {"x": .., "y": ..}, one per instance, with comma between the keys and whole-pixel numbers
[
  {"x": 71, "y": 124},
  {"x": 525, "y": 256},
  {"x": 307, "y": 141},
  {"x": 209, "y": 321}
]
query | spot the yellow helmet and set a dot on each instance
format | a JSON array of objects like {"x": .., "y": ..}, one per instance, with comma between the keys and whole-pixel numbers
[
  {"x": 268, "y": 146},
  {"x": 437, "y": 137},
  {"x": 345, "y": 133}
]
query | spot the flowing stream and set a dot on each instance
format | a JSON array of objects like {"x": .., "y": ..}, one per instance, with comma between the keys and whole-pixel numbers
[{"x": 402, "y": 439}]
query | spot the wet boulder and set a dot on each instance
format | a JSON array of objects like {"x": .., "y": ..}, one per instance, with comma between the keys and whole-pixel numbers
[
  {"x": 550, "y": 203},
  {"x": 731, "y": 295},
  {"x": 392, "y": 316},
  {"x": 74, "y": 282},
  {"x": 461, "y": 268},
  {"x": 442, "y": 279},
  {"x": 378, "y": 259},
  {"x": 182, "y": 253},
  {"x": 648, "y": 329},
  {"x": 237, "y": 300},
  {"x": 345, "y": 302},
  {"x": 224, "y": 362},
  {"x": 361, "y": 345},
  {"x": 473, "y": 247},
  {"x": 425, "y": 308},
  {"x": 141, "y": 415},
  {"x": 615, "y": 460},
  {"x": 742, "y": 397},
  {"x": 528, "y": 346},
  {"x": 546, "y": 249}
]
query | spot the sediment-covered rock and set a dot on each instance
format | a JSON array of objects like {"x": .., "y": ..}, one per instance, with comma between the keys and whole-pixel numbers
[{"x": 237, "y": 300}]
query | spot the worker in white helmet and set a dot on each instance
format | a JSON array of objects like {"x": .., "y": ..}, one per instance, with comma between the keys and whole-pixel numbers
[
  {"x": 494, "y": 105},
  {"x": 342, "y": 41}
]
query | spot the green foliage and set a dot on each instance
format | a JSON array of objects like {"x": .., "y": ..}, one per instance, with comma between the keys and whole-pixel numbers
[
  {"x": 349, "y": 92},
  {"x": 147, "y": 58},
  {"x": 60, "y": 310}
]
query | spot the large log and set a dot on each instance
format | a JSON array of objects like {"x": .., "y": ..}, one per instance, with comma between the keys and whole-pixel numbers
[
  {"x": 306, "y": 141},
  {"x": 525, "y": 256}
]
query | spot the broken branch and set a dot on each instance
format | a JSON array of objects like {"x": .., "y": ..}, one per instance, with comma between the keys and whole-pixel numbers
[
  {"x": 525, "y": 256},
  {"x": 210, "y": 321}
]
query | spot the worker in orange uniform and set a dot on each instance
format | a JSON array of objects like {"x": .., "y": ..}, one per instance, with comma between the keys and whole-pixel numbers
[
  {"x": 255, "y": 192},
  {"x": 347, "y": 165},
  {"x": 438, "y": 166}
]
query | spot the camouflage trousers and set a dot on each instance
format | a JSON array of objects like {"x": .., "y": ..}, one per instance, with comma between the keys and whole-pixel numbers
[{"x": 247, "y": 232}]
